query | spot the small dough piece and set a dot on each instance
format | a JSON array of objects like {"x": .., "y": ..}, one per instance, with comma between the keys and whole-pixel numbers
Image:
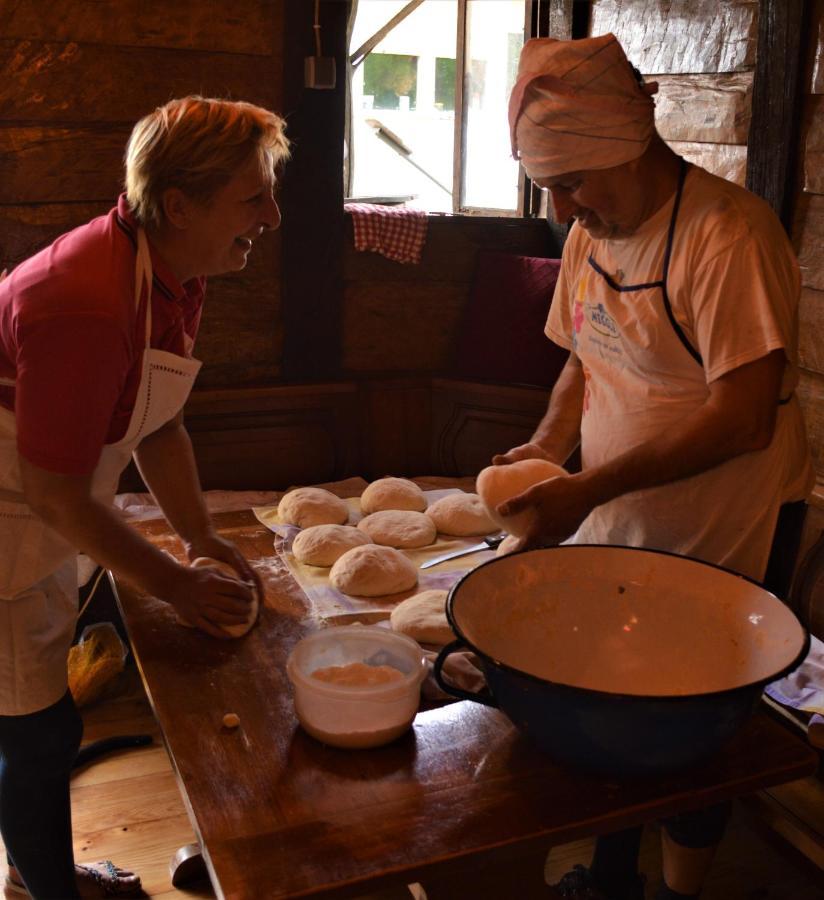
[
  {"x": 373, "y": 571},
  {"x": 462, "y": 515},
  {"x": 323, "y": 545},
  {"x": 308, "y": 506},
  {"x": 507, "y": 545},
  {"x": 235, "y": 631},
  {"x": 231, "y": 720},
  {"x": 392, "y": 493},
  {"x": 496, "y": 484},
  {"x": 423, "y": 617},
  {"x": 401, "y": 528}
]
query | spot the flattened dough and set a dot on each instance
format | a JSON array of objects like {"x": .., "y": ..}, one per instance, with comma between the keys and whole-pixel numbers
[
  {"x": 235, "y": 631},
  {"x": 423, "y": 617},
  {"x": 307, "y": 506},
  {"x": 392, "y": 493},
  {"x": 462, "y": 515},
  {"x": 495, "y": 484},
  {"x": 323, "y": 545},
  {"x": 373, "y": 571},
  {"x": 401, "y": 528}
]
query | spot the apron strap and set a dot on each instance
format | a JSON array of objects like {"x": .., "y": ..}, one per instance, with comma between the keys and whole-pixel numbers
[{"x": 143, "y": 275}]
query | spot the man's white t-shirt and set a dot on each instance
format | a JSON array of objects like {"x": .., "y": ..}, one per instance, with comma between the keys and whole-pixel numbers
[{"x": 648, "y": 356}]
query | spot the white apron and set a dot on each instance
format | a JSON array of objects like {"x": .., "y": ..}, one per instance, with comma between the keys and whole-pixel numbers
[
  {"x": 642, "y": 376},
  {"x": 38, "y": 582}
]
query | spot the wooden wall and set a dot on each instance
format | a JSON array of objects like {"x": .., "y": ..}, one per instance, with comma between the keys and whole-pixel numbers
[
  {"x": 808, "y": 237},
  {"x": 702, "y": 54},
  {"x": 74, "y": 77}
]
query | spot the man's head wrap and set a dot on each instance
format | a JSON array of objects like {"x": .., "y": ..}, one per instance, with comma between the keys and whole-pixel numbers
[{"x": 577, "y": 105}]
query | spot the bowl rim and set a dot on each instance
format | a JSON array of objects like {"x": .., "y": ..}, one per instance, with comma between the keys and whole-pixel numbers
[
  {"x": 366, "y": 691},
  {"x": 748, "y": 686}
]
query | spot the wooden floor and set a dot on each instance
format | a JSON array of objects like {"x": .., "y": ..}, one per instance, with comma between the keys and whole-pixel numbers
[{"x": 127, "y": 807}]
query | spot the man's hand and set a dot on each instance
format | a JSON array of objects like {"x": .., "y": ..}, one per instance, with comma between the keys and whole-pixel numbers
[
  {"x": 523, "y": 451},
  {"x": 558, "y": 506}
]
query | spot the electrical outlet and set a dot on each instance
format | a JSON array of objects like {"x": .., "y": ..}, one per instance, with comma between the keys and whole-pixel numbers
[{"x": 319, "y": 72}]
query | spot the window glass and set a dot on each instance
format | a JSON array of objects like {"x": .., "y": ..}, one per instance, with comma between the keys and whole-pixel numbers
[
  {"x": 403, "y": 105},
  {"x": 494, "y": 38}
]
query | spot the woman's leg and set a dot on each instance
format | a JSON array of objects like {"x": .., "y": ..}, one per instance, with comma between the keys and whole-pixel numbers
[{"x": 36, "y": 755}]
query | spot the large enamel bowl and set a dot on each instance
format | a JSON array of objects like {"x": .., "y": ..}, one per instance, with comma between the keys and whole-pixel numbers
[{"x": 617, "y": 659}]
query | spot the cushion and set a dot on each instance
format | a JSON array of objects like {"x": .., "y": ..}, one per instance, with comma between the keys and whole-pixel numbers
[{"x": 501, "y": 337}]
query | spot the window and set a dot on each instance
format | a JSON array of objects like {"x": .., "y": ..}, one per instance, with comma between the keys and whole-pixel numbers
[{"x": 429, "y": 91}]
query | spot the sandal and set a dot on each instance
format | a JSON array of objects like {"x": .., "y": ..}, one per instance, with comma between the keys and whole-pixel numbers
[{"x": 95, "y": 879}]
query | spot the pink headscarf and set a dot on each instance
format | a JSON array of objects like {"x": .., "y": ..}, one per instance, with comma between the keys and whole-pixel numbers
[{"x": 577, "y": 105}]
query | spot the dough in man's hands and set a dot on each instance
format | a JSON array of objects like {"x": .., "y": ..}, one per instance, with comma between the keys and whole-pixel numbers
[
  {"x": 392, "y": 493},
  {"x": 373, "y": 571},
  {"x": 462, "y": 515},
  {"x": 235, "y": 631},
  {"x": 323, "y": 545},
  {"x": 308, "y": 506},
  {"x": 401, "y": 528},
  {"x": 496, "y": 484},
  {"x": 423, "y": 617}
]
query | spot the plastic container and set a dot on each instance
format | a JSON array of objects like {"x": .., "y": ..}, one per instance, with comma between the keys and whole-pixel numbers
[{"x": 355, "y": 716}]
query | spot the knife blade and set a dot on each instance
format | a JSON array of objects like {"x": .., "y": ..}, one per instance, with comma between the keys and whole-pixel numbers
[{"x": 489, "y": 543}]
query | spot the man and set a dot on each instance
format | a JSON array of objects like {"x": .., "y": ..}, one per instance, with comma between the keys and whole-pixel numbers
[
  {"x": 677, "y": 300},
  {"x": 96, "y": 337}
]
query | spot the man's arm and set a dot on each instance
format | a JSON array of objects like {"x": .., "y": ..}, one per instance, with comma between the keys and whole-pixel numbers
[
  {"x": 559, "y": 432},
  {"x": 738, "y": 417},
  {"x": 167, "y": 464}
]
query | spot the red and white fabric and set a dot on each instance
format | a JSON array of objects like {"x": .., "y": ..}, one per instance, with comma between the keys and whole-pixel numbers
[{"x": 396, "y": 232}]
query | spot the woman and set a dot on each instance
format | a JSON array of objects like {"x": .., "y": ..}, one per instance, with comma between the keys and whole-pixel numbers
[{"x": 96, "y": 336}]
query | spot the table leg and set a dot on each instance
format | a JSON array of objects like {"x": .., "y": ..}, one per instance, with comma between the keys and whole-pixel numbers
[
  {"x": 522, "y": 878},
  {"x": 187, "y": 865}
]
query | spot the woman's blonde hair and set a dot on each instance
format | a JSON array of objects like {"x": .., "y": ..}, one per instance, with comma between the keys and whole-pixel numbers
[{"x": 197, "y": 144}]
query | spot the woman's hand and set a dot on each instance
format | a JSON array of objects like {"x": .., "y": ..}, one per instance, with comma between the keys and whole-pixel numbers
[
  {"x": 206, "y": 599},
  {"x": 216, "y": 547}
]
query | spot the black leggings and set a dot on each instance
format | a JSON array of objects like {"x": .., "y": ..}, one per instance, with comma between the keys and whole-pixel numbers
[{"x": 36, "y": 756}]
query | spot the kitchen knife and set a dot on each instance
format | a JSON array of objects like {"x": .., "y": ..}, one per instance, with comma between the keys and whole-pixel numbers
[{"x": 489, "y": 543}]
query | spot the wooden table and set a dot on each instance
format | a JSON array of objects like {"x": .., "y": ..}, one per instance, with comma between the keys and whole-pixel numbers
[{"x": 280, "y": 815}]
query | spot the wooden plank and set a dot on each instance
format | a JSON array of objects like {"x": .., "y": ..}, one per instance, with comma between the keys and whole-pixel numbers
[
  {"x": 817, "y": 73},
  {"x": 726, "y": 160},
  {"x": 811, "y": 330},
  {"x": 813, "y": 144},
  {"x": 808, "y": 226},
  {"x": 234, "y": 26},
  {"x": 400, "y": 326},
  {"x": 707, "y": 108},
  {"x": 811, "y": 396},
  {"x": 681, "y": 36},
  {"x": 26, "y": 229},
  {"x": 776, "y": 105},
  {"x": 56, "y": 165},
  {"x": 53, "y": 82}
]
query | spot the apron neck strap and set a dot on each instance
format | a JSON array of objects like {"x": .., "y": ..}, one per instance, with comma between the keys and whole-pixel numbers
[{"x": 143, "y": 275}]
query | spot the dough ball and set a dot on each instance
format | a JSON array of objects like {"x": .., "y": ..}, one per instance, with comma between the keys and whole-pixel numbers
[
  {"x": 392, "y": 493},
  {"x": 322, "y": 545},
  {"x": 423, "y": 617},
  {"x": 401, "y": 528},
  {"x": 308, "y": 506},
  {"x": 225, "y": 569},
  {"x": 373, "y": 571},
  {"x": 507, "y": 545},
  {"x": 461, "y": 514},
  {"x": 498, "y": 483}
]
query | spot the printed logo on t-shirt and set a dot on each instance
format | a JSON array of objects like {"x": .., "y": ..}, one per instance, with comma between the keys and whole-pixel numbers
[{"x": 601, "y": 320}]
